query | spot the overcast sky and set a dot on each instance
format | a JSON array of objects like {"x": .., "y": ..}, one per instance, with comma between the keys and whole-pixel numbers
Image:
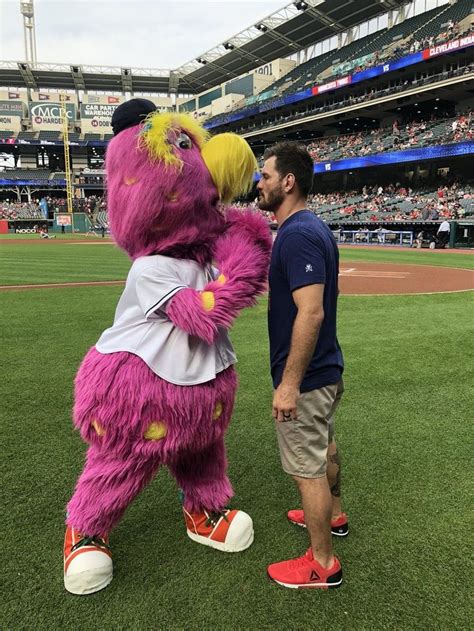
[{"x": 128, "y": 33}]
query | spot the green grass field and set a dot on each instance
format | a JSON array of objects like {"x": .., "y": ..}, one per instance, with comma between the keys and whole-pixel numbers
[{"x": 404, "y": 430}]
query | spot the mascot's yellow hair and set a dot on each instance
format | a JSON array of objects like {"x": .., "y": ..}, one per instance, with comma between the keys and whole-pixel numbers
[
  {"x": 154, "y": 135},
  {"x": 231, "y": 164},
  {"x": 228, "y": 157}
]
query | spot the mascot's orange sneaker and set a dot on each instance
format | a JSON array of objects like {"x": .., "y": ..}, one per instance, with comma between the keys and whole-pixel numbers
[
  {"x": 227, "y": 530},
  {"x": 339, "y": 526},
  {"x": 87, "y": 563},
  {"x": 305, "y": 572}
]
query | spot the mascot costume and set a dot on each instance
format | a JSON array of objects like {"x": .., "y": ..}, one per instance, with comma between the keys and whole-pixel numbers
[{"x": 158, "y": 388}]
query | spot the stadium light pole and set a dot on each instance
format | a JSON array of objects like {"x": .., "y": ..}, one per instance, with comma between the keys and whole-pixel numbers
[{"x": 28, "y": 12}]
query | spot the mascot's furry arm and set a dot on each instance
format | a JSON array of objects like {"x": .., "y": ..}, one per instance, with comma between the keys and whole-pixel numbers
[{"x": 242, "y": 255}]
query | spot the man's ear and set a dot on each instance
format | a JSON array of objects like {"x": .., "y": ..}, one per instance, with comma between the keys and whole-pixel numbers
[{"x": 290, "y": 182}]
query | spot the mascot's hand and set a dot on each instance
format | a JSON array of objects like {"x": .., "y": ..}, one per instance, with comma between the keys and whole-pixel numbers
[
  {"x": 251, "y": 224},
  {"x": 242, "y": 255}
]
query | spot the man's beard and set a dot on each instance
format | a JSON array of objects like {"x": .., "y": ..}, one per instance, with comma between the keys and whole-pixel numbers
[{"x": 273, "y": 201}]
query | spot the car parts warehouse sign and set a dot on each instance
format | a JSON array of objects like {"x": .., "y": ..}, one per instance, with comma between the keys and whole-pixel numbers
[
  {"x": 96, "y": 117},
  {"x": 49, "y": 115}
]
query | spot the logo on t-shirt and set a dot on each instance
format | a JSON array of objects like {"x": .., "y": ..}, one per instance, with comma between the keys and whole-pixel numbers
[{"x": 309, "y": 267}]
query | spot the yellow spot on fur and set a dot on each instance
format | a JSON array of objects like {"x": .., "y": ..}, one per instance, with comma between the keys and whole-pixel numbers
[
  {"x": 172, "y": 197},
  {"x": 100, "y": 431},
  {"x": 217, "y": 411},
  {"x": 155, "y": 431},
  {"x": 221, "y": 279},
  {"x": 231, "y": 163},
  {"x": 130, "y": 181},
  {"x": 208, "y": 300}
]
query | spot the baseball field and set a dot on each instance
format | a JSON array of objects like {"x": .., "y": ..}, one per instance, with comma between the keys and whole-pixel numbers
[{"x": 404, "y": 429}]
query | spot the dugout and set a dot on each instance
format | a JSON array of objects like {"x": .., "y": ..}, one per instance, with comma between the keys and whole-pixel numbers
[{"x": 462, "y": 234}]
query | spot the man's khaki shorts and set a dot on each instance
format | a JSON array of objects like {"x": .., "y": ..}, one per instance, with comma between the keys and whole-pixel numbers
[{"x": 304, "y": 443}]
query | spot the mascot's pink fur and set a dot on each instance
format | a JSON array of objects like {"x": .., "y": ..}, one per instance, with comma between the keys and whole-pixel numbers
[{"x": 163, "y": 200}]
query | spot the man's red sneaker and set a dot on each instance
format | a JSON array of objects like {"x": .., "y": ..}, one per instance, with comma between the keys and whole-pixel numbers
[
  {"x": 87, "y": 563},
  {"x": 339, "y": 526},
  {"x": 306, "y": 572},
  {"x": 227, "y": 530}
]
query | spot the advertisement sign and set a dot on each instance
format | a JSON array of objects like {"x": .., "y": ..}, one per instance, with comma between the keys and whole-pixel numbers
[
  {"x": 441, "y": 49},
  {"x": 11, "y": 113},
  {"x": 13, "y": 95},
  {"x": 47, "y": 116},
  {"x": 332, "y": 85},
  {"x": 53, "y": 97},
  {"x": 64, "y": 220},
  {"x": 96, "y": 118}
]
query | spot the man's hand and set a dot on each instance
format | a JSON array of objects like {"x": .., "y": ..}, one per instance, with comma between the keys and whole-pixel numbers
[{"x": 284, "y": 402}]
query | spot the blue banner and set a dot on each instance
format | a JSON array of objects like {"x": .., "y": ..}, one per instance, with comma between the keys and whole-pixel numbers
[
  {"x": 370, "y": 73},
  {"x": 38, "y": 183},
  {"x": 394, "y": 157}
]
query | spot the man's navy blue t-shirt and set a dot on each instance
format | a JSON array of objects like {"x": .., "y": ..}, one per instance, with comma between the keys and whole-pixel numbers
[{"x": 304, "y": 253}]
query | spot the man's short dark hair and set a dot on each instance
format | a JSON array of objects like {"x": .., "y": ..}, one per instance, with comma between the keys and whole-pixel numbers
[{"x": 293, "y": 158}]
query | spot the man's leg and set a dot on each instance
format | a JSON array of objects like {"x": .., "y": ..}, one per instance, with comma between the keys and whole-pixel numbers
[
  {"x": 317, "y": 505},
  {"x": 339, "y": 525},
  {"x": 333, "y": 472}
]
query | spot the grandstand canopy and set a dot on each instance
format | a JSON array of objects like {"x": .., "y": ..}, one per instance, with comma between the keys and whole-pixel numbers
[{"x": 283, "y": 33}]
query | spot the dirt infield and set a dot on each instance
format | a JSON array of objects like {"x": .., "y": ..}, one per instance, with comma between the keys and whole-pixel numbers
[
  {"x": 370, "y": 279},
  {"x": 357, "y": 279}
]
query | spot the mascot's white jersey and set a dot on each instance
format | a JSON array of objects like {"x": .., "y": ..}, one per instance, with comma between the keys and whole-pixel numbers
[{"x": 142, "y": 327}]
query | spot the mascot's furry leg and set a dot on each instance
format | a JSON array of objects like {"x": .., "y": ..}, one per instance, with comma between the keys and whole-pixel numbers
[
  {"x": 127, "y": 447},
  {"x": 105, "y": 488},
  {"x": 203, "y": 480}
]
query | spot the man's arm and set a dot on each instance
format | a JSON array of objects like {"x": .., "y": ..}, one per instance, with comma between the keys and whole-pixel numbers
[{"x": 309, "y": 303}]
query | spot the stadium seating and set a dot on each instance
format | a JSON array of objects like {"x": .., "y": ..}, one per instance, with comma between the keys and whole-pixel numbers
[
  {"x": 59, "y": 175},
  {"x": 394, "y": 36},
  {"x": 101, "y": 219},
  {"x": 395, "y": 204},
  {"x": 375, "y": 48},
  {"x": 4, "y": 135},
  {"x": 414, "y": 134},
  {"x": 27, "y": 174},
  {"x": 17, "y": 210},
  {"x": 49, "y": 135},
  {"x": 434, "y": 27},
  {"x": 27, "y": 135}
]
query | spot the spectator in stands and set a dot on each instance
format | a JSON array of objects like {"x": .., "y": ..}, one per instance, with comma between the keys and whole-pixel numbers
[
  {"x": 425, "y": 213},
  {"x": 306, "y": 359}
]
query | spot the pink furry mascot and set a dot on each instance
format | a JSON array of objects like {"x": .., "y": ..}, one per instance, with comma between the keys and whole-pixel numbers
[{"x": 159, "y": 386}]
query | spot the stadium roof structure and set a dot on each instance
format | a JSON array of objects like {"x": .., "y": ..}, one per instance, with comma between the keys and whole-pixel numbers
[{"x": 281, "y": 34}]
